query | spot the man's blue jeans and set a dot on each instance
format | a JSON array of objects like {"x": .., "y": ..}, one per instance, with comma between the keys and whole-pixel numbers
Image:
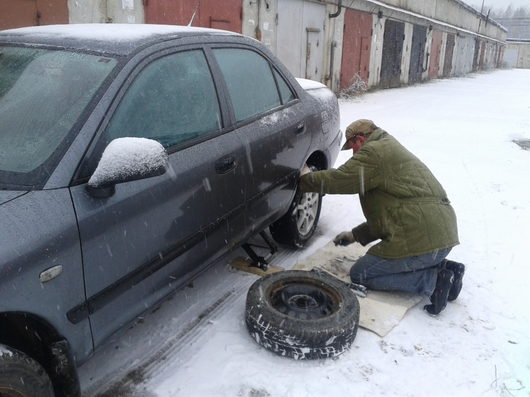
[{"x": 414, "y": 274}]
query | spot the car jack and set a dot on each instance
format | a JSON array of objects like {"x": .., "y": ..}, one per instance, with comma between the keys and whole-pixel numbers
[{"x": 258, "y": 261}]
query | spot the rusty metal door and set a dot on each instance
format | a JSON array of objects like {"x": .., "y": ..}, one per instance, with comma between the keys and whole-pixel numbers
[
  {"x": 436, "y": 50},
  {"x": 417, "y": 53},
  {"x": 448, "y": 60},
  {"x": 392, "y": 53},
  {"x": 19, "y": 13},
  {"x": 215, "y": 14},
  {"x": 356, "y": 47}
]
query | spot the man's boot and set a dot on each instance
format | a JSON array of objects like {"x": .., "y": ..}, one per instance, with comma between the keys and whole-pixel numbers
[
  {"x": 444, "y": 282},
  {"x": 458, "y": 270}
]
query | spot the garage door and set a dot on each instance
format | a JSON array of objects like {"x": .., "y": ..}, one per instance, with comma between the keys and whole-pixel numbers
[
  {"x": 19, "y": 13},
  {"x": 356, "y": 47},
  {"x": 215, "y": 14},
  {"x": 392, "y": 53}
]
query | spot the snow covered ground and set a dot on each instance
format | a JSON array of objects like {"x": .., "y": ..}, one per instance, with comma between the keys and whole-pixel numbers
[{"x": 196, "y": 343}]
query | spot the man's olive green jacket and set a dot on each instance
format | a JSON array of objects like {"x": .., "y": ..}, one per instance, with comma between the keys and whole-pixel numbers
[{"x": 404, "y": 205}]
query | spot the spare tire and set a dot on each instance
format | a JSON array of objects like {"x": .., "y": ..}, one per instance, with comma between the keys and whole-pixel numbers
[{"x": 302, "y": 315}]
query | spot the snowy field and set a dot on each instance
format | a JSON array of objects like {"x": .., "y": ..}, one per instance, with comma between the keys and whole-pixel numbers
[{"x": 196, "y": 343}]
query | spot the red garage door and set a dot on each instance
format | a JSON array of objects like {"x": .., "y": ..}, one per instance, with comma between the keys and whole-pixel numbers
[
  {"x": 356, "y": 47},
  {"x": 216, "y": 14},
  {"x": 436, "y": 49},
  {"x": 18, "y": 13}
]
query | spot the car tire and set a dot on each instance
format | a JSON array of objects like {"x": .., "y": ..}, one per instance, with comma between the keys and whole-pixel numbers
[
  {"x": 21, "y": 376},
  {"x": 297, "y": 226},
  {"x": 302, "y": 314}
]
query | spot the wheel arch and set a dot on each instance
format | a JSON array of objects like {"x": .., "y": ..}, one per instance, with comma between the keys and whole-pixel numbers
[
  {"x": 37, "y": 338},
  {"x": 318, "y": 159}
]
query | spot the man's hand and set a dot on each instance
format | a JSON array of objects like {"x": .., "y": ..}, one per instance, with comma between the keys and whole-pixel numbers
[
  {"x": 344, "y": 238},
  {"x": 305, "y": 170}
]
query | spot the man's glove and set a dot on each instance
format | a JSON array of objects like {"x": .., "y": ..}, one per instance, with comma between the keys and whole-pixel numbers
[
  {"x": 344, "y": 238},
  {"x": 305, "y": 170}
]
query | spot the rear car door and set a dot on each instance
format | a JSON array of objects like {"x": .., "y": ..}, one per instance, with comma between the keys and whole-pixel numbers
[
  {"x": 273, "y": 125},
  {"x": 152, "y": 235}
]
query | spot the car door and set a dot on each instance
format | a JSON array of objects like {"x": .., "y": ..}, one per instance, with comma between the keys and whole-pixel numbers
[
  {"x": 151, "y": 235},
  {"x": 273, "y": 125}
]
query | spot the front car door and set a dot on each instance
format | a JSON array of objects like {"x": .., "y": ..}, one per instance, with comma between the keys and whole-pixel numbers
[{"x": 154, "y": 234}]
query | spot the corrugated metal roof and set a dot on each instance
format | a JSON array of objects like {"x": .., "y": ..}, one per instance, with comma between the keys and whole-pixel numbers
[{"x": 518, "y": 28}]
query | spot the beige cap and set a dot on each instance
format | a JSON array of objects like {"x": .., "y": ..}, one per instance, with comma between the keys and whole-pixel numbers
[{"x": 358, "y": 127}]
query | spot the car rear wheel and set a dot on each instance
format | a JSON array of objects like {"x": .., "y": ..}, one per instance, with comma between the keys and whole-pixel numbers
[
  {"x": 297, "y": 226},
  {"x": 21, "y": 376},
  {"x": 302, "y": 315}
]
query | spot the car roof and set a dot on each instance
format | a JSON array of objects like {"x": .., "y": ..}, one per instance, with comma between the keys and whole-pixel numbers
[{"x": 119, "y": 39}]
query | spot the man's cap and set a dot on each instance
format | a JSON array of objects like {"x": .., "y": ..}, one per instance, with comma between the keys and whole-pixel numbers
[{"x": 358, "y": 127}]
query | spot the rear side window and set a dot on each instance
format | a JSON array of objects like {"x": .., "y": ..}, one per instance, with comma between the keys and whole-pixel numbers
[
  {"x": 285, "y": 92},
  {"x": 250, "y": 82},
  {"x": 171, "y": 101}
]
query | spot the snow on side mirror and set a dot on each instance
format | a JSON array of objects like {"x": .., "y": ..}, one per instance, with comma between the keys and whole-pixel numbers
[{"x": 127, "y": 159}]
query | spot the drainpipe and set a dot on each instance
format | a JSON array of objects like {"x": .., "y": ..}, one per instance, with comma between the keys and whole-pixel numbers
[
  {"x": 258, "y": 22},
  {"x": 331, "y": 63},
  {"x": 339, "y": 10}
]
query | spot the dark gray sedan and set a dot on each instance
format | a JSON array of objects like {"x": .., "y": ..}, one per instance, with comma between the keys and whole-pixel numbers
[{"x": 131, "y": 158}]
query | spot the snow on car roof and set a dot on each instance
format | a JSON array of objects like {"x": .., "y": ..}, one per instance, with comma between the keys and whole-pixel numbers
[{"x": 98, "y": 36}]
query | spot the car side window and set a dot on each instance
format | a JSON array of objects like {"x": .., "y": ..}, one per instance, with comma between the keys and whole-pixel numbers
[
  {"x": 172, "y": 100},
  {"x": 250, "y": 81},
  {"x": 285, "y": 92}
]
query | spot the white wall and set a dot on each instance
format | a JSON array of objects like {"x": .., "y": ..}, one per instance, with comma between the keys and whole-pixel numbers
[
  {"x": 106, "y": 11},
  {"x": 376, "y": 50},
  {"x": 407, "y": 48},
  {"x": 442, "y": 55}
]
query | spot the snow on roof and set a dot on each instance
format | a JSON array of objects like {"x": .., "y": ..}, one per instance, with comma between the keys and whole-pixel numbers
[{"x": 107, "y": 32}]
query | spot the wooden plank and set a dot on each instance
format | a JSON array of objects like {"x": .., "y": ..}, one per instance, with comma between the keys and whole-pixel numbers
[{"x": 243, "y": 264}]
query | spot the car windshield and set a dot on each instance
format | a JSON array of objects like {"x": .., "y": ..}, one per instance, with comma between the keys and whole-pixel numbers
[{"x": 42, "y": 94}]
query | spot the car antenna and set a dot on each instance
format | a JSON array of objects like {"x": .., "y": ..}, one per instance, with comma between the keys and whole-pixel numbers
[{"x": 194, "y": 12}]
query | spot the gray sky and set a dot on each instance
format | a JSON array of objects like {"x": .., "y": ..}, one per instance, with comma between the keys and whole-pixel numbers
[{"x": 498, "y": 3}]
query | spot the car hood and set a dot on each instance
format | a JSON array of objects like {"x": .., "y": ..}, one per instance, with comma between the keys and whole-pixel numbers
[{"x": 8, "y": 195}]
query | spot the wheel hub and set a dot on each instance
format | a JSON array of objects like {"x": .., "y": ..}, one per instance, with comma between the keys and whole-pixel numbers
[
  {"x": 306, "y": 211},
  {"x": 304, "y": 300}
]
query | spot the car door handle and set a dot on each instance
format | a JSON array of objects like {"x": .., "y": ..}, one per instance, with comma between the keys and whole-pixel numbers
[
  {"x": 226, "y": 164},
  {"x": 300, "y": 128}
]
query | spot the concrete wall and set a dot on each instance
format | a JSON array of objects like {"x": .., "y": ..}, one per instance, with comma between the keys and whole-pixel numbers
[
  {"x": 426, "y": 55},
  {"x": 405, "y": 59},
  {"x": 376, "y": 51},
  {"x": 106, "y": 11},
  {"x": 333, "y": 51},
  {"x": 442, "y": 55}
]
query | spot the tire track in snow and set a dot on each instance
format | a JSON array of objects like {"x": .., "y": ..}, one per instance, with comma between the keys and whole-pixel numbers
[{"x": 131, "y": 383}]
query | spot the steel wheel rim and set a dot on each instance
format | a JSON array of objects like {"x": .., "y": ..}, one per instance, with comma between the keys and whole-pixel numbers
[
  {"x": 304, "y": 300},
  {"x": 305, "y": 212}
]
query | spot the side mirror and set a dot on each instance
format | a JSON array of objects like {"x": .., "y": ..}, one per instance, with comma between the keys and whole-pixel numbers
[{"x": 124, "y": 160}]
